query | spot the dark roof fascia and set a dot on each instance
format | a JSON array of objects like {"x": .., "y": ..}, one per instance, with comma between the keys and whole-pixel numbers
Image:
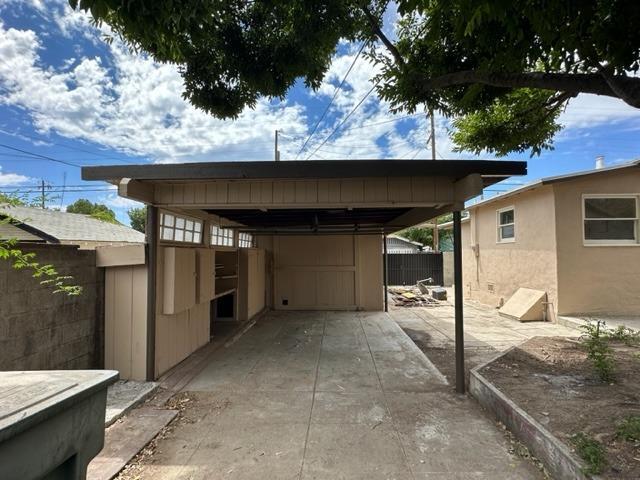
[{"x": 308, "y": 169}]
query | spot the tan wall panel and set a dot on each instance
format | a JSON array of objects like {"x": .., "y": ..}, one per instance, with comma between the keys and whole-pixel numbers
[
  {"x": 375, "y": 190},
  {"x": 369, "y": 271},
  {"x": 239, "y": 192},
  {"x": 595, "y": 279},
  {"x": 528, "y": 262},
  {"x": 126, "y": 321}
]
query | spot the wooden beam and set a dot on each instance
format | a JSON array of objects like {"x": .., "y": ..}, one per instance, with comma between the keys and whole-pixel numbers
[
  {"x": 136, "y": 190},
  {"x": 419, "y": 215},
  {"x": 468, "y": 187}
]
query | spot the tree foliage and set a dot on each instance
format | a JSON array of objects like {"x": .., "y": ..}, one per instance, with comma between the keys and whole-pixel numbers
[
  {"x": 502, "y": 69},
  {"x": 138, "y": 218},
  {"x": 424, "y": 235},
  {"x": 94, "y": 210}
]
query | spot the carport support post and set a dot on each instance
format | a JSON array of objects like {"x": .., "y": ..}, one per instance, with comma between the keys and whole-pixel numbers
[
  {"x": 151, "y": 232},
  {"x": 385, "y": 273},
  {"x": 457, "y": 280}
]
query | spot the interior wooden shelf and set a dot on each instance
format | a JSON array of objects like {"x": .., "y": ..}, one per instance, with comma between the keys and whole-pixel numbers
[
  {"x": 221, "y": 277},
  {"x": 223, "y": 293}
]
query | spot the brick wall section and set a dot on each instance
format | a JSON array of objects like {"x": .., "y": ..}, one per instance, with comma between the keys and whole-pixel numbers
[{"x": 40, "y": 330}]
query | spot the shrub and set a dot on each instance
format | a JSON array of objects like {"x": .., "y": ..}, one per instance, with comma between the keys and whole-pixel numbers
[
  {"x": 591, "y": 451},
  {"x": 596, "y": 341},
  {"x": 629, "y": 429}
]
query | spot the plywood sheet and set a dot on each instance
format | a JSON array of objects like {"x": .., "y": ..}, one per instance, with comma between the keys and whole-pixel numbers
[{"x": 525, "y": 305}]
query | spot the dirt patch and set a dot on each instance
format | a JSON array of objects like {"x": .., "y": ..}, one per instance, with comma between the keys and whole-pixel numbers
[{"x": 552, "y": 379}]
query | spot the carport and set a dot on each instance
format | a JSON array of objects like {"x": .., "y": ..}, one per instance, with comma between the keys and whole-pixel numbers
[{"x": 257, "y": 236}]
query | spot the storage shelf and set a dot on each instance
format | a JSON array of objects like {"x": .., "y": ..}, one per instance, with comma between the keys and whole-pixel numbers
[
  {"x": 225, "y": 292},
  {"x": 221, "y": 277}
]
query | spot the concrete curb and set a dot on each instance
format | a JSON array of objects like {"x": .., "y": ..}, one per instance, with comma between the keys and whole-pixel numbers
[
  {"x": 555, "y": 455},
  {"x": 153, "y": 387}
]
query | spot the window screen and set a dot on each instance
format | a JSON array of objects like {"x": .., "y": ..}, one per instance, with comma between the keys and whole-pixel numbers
[
  {"x": 245, "y": 240},
  {"x": 612, "y": 219}
]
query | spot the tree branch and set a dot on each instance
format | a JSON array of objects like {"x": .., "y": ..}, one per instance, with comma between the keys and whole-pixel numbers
[
  {"x": 561, "y": 82},
  {"x": 632, "y": 96},
  {"x": 373, "y": 22}
]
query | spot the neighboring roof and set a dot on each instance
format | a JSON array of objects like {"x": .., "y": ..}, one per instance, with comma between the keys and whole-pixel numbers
[
  {"x": 10, "y": 230},
  {"x": 492, "y": 171},
  {"x": 555, "y": 179},
  {"x": 65, "y": 226},
  {"x": 405, "y": 240},
  {"x": 449, "y": 225}
]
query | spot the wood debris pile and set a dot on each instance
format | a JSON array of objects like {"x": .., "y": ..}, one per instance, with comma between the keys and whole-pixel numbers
[{"x": 411, "y": 297}]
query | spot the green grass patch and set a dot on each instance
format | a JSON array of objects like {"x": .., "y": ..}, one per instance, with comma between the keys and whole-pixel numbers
[
  {"x": 591, "y": 451},
  {"x": 629, "y": 429}
]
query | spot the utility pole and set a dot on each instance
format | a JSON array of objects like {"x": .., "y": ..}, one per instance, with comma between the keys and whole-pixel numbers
[
  {"x": 436, "y": 236},
  {"x": 276, "y": 151},
  {"x": 42, "y": 199}
]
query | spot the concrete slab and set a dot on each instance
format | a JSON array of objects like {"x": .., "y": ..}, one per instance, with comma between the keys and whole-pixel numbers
[
  {"x": 123, "y": 395},
  {"x": 349, "y": 396}
]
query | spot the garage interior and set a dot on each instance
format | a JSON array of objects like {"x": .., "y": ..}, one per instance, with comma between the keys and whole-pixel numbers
[{"x": 231, "y": 240}]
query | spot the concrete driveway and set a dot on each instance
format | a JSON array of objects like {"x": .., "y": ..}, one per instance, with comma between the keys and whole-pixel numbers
[{"x": 328, "y": 395}]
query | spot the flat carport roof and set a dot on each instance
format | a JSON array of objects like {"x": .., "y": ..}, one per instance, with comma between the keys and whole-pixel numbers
[{"x": 328, "y": 196}]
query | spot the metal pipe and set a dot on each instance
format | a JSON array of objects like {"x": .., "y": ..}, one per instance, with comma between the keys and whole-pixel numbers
[
  {"x": 385, "y": 273},
  {"x": 151, "y": 232},
  {"x": 457, "y": 280}
]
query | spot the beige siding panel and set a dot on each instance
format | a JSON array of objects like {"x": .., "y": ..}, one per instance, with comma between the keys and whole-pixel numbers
[
  {"x": 239, "y": 192},
  {"x": 178, "y": 194},
  {"x": 205, "y": 274},
  {"x": 126, "y": 320},
  {"x": 284, "y": 192},
  {"x": 399, "y": 189},
  {"x": 375, "y": 190},
  {"x": 306, "y": 191},
  {"x": 179, "y": 286},
  {"x": 369, "y": 272},
  {"x": 335, "y": 289},
  {"x": 216, "y": 192},
  {"x": 251, "y": 282},
  {"x": 164, "y": 193},
  {"x": 443, "y": 188},
  {"x": 189, "y": 194},
  {"x": 200, "y": 193},
  {"x": 352, "y": 190},
  {"x": 121, "y": 255},
  {"x": 329, "y": 191},
  {"x": 422, "y": 189}
]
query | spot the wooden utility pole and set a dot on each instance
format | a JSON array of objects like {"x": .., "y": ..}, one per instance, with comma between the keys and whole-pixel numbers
[
  {"x": 436, "y": 239},
  {"x": 276, "y": 151},
  {"x": 42, "y": 199}
]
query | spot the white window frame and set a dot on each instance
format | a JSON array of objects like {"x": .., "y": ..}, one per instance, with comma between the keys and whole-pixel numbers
[
  {"x": 611, "y": 243},
  {"x": 246, "y": 240},
  {"x": 191, "y": 226},
  {"x": 499, "y": 225},
  {"x": 226, "y": 236}
]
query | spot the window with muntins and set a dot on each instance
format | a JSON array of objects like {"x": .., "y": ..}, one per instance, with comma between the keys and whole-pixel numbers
[
  {"x": 221, "y": 236},
  {"x": 610, "y": 219},
  {"x": 506, "y": 225},
  {"x": 174, "y": 228},
  {"x": 245, "y": 240}
]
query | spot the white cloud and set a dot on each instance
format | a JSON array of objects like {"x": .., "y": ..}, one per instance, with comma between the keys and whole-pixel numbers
[
  {"x": 587, "y": 110},
  {"x": 12, "y": 179}
]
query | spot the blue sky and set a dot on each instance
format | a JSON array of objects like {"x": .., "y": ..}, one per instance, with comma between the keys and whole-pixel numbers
[{"x": 68, "y": 96}]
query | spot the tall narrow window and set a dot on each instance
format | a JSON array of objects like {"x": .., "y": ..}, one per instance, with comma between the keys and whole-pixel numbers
[
  {"x": 175, "y": 228},
  {"x": 506, "y": 220},
  {"x": 610, "y": 219},
  {"x": 221, "y": 236}
]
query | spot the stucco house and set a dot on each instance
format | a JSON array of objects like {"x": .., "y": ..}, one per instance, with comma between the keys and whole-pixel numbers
[{"x": 575, "y": 237}]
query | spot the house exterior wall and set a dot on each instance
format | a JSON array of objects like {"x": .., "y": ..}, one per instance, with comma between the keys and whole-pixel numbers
[
  {"x": 40, "y": 330},
  {"x": 493, "y": 271},
  {"x": 595, "y": 279}
]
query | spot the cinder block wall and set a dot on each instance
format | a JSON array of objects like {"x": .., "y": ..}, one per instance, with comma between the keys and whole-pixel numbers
[{"x": 40, "y": 330}]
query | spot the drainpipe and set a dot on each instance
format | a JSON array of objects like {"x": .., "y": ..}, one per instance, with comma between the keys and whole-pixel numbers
[
  {"x": 151, "y": 231},
  {"x": 457, "y": 280}
]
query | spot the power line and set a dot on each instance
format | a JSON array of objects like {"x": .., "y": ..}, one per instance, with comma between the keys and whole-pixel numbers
[
  {"x": 44, "y": 157},
  {"x": 346, "y": 118},
  {"x": 335, "y": 94}
]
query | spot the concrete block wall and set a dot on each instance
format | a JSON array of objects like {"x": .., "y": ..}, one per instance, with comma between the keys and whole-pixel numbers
[{"x": 40, "y": 330}]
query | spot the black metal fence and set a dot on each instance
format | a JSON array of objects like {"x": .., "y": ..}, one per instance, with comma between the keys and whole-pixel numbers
[{"x": 408, "y": 268}]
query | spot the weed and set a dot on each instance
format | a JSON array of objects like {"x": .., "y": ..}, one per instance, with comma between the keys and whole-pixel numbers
[
  {"x": 596, "y": 341},
  {"x": 629, "y": 429},
  {"x": 591, "y": 451},
  {"x": 624, "y": 334}
]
